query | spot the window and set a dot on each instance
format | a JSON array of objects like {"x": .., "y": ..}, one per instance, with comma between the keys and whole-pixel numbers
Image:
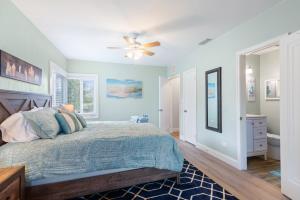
[
  {"x": 83, "y": 92},
  {"x": 60, "y": 89},
  {"x": 58, "y": 85}
]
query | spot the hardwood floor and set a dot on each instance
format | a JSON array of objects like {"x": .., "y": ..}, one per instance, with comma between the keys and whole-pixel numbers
[
  {"x": 261, "y": 168},
  {"x": 240, "y": 183}
]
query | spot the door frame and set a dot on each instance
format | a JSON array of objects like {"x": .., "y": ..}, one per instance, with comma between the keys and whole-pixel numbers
[
  {"x": 182, "y": 136},
  {"x": 241, "y": 97}
]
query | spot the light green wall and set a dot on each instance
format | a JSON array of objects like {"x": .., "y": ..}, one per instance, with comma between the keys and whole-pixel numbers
[
  {"x": 19, "y": 37},
  {"x": 276, "y": 21},
  {"x": 122, "y": 109},
  {"x": 270, "y": 69},
  {"x": 253, "y": 61}
]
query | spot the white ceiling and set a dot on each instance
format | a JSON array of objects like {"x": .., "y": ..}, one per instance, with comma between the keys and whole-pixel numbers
[{"x": 82, "y": 29}]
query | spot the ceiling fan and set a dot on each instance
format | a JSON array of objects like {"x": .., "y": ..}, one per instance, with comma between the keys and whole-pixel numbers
[{"x": 135, "y": 49}]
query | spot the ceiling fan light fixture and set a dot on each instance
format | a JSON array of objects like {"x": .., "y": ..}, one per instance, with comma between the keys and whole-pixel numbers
[
  {"x": 135, "y": 49},
  {"x": 129, "y": 54},
  {"x": 136, "y": 54}
]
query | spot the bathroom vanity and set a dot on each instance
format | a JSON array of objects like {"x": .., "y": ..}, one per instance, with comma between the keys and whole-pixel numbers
[{"x": 257, "y": 135}]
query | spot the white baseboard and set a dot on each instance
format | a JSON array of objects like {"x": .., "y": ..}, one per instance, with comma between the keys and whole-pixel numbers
[{"x": 227, "y": 159}]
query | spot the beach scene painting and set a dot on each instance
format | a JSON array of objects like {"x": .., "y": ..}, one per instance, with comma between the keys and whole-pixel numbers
[
  {"x": 121, "y": 89},
  {"x": 272, "y": 90},
  {"x": 251, "y": 89}
]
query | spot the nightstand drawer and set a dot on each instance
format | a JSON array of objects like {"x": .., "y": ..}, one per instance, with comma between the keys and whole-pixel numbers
[{"x": 12, "y": 191}]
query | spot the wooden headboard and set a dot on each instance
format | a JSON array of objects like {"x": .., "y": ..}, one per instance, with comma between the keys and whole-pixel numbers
[{"x": 12, "y": 102}]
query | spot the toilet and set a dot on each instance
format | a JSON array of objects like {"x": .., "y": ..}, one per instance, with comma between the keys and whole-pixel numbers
[{"x": 273, "y": 146}]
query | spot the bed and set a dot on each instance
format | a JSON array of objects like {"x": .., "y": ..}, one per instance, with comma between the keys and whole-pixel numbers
[{"x": 104, "y": 156}]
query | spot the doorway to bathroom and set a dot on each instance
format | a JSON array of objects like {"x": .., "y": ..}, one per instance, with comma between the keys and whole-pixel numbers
[
  {"x": 286, "y": 91},
  {"x": 263, "y": 113},
  {"x": 260, "y": 84}
]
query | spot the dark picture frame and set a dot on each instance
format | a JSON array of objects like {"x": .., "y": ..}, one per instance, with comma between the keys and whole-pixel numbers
[
  {"x": 213, "y": 95},
  {"x": 17, "y": 69}
]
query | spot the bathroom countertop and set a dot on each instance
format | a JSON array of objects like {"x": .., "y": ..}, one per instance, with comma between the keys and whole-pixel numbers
[{"x": 255, "y": 116}]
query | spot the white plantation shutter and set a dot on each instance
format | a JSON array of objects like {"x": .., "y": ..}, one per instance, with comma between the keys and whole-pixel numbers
[{"x": 60, "y": 96}]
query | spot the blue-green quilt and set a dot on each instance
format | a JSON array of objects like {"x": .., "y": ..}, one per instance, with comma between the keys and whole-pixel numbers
[{"x": 103, "y": 146}]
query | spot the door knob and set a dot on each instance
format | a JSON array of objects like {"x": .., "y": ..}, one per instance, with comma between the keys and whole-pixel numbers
[
  {"x": 160, "y": 110},
  {"x": 185, "y": 111}
]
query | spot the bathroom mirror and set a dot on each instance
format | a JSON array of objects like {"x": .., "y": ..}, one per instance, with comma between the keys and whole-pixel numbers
[{"x": 214, "y": 99}]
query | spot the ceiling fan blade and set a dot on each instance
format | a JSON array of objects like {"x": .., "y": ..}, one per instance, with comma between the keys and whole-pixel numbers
[
  {"x": 151, "y": 44},
  {"x": 115, "y": 47},
  {"x": 129, "y": 40},
  {"x": 148, "y": 53}
]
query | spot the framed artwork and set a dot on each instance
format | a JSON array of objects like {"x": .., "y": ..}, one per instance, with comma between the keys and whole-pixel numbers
[
  {"x": 272, "y": 90},
  {"x": 15, "y": 68},
  {"x": 213, "y": 84},
  {"x": 251, "y": 89},
  {"x": 121, "y": 89}
]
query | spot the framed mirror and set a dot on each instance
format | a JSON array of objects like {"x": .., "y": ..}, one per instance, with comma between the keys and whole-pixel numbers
[{"x": 213, "y": 84}]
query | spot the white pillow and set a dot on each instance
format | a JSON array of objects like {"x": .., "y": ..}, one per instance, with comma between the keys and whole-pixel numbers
[
  {"x": 34, "y": 109},
  {"x": 16, "y": 129}
]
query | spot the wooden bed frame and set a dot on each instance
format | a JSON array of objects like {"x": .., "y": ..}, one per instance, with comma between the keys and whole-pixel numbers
[{"x": 12, "y": 102}]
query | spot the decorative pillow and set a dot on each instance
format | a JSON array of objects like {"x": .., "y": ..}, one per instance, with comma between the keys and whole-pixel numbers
[
  {"x": 68, "y": 122},
  {"x": 82, "y": 120},
  {"x": 43, "y": 122},
  {"x": 34, "y": 109},
  {"x": 17, "y": 129},
  {"x": 59, "y": 108}
]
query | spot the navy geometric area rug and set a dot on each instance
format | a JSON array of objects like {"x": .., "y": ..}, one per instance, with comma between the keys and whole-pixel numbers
[{"x": 194, "y": 186}]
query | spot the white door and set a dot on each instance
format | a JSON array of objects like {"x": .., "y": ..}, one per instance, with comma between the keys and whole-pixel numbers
[
  {"x": 189, "y": 105},
  {"x": 290, "y": 116},
  {"x": 164, "y": 112}
]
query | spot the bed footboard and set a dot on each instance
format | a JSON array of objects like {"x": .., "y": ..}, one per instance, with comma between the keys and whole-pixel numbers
[{"x": 85, "y": 186}]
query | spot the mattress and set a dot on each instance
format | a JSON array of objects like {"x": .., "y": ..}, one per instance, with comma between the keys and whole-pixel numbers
[{"x": 97, "y": 148}]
